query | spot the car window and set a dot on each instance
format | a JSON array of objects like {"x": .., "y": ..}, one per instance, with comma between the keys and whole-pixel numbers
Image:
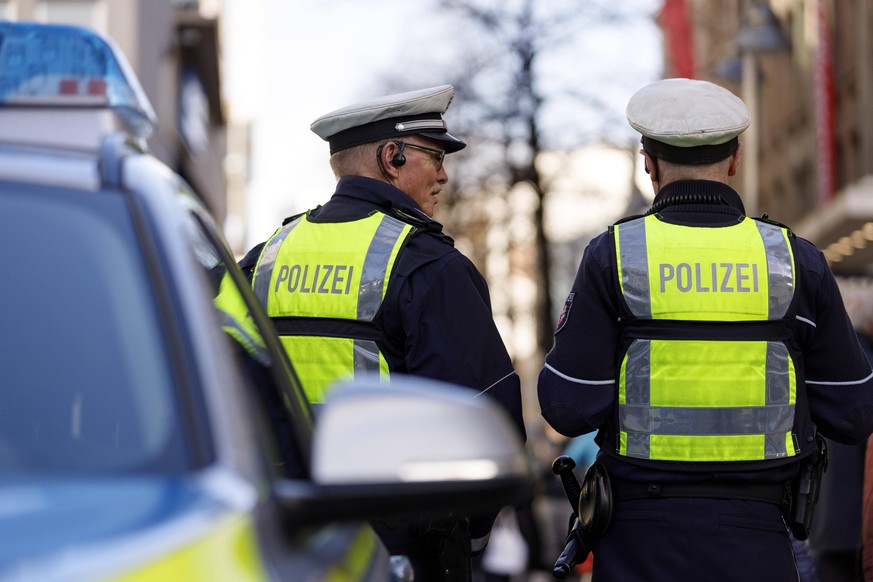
[
  {"x": 86, "y": 379},
  {"x": 284, "y": 416}
]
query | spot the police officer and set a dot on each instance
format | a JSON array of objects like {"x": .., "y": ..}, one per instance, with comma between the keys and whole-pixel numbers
[
  {"x": 370, "y": 283},
  {"x": 708, "y": 349}
]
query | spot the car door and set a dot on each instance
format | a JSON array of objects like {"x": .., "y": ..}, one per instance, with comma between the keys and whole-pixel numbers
[{"x": 283, "y": 419}]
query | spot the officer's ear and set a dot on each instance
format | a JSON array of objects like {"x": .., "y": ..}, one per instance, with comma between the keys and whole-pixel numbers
[
  {"x": 386, "y": 155},
  {"x": 735, "y": 160},
  {"x": 650, "y": 165}
]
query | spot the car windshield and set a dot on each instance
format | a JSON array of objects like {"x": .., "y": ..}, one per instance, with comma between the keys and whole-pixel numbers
[{"x": 84, "y": 367}]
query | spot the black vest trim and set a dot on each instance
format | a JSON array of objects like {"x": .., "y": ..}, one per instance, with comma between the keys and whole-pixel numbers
[
  {"x": 774, "y": 330},
  {"x": 328, "y": 327}
]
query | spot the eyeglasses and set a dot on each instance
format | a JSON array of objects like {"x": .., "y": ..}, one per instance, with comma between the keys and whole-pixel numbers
[{"x": 438, "y": 155}]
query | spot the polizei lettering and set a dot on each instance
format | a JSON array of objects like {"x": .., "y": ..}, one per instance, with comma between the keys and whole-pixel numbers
[
  {"x": 710, "y": 277},
  {"x": 335, "y": 279}
]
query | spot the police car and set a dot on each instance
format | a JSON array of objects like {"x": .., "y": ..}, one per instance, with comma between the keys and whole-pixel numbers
[{"x": 151, "y": 426}]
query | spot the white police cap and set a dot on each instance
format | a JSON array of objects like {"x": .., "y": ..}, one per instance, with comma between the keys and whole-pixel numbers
[
  {"x": 414, "y": 112},
  {"x": 688, "y": 121}
]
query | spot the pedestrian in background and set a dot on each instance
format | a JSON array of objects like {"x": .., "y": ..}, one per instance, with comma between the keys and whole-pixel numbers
[
  {"x": 709, "y": 350},
  {"x": 370, "y": 283}
]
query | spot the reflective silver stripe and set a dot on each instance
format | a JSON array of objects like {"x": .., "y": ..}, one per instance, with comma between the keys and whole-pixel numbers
[
  {"x": 731, "y": 420},
  {"x": 638, "y": 445},
  {"x": 778, "y": 381},
  {"x": 778, "y": 396},
  {"x": 373, "y": 276},
  {"x": 637, "y": 393},
  {"x": 780, "y": 275},
  {"x": 638, "y": 371},
  {"x": 366, "y": 357},
  {"x": 264, "y": 269},
  {"x": 375, "y": 269},
  {"x": 774, "y": 443},
  {"x": 634, "y": 262}
]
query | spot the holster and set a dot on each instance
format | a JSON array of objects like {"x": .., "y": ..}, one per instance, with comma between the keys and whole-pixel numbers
[
  {"x": 804, "y": 491},
  {"x": 595, "y": 503}
]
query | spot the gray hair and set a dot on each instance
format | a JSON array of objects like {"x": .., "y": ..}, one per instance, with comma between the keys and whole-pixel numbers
[{"x": 353, "y": 161}]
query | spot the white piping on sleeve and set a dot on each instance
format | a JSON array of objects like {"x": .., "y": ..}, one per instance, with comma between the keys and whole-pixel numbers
[
  {"x": 578, "y": 380},
  {"x": 804, "y": 320},
  {"x": 850, "y": 383}
]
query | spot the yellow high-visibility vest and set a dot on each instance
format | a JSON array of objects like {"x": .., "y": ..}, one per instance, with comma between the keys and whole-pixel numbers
[
  {"x": 690, "y": 390},
  {"x": 323, "y": 284}
]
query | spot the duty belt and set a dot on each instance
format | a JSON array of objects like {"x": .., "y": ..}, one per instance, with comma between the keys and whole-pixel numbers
[{"x": 775, "y": 493}]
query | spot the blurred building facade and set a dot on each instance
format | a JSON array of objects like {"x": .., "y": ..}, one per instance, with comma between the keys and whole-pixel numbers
[
  {"x": 803, "y": 68},
  {"x": 174, "y": 48}
]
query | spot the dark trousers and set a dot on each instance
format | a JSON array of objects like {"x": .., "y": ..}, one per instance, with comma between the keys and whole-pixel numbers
[{"x": 689, "y": 539}]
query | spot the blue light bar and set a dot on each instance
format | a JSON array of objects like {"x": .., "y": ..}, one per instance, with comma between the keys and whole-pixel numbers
[{"x": 53, "y": 65}]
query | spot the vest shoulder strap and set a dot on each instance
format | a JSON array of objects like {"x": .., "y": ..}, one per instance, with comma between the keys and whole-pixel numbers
[
  {"x": 766, "y": 219},
  {"x": 294, "y": 217}
]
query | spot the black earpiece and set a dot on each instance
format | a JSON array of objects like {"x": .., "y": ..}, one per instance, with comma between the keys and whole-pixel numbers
[{"x": 397, "y": 160}]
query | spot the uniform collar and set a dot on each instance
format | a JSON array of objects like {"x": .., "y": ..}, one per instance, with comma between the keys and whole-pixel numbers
[
  {"x": 699, "y": 193},
  {"x": 390, "y": 199}
]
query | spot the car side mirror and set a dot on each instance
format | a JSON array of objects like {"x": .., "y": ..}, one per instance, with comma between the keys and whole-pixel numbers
[{"x": 411, "y": 446}]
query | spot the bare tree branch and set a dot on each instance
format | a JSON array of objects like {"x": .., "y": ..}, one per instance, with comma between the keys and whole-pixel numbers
[{"x": 525, "y": 82}]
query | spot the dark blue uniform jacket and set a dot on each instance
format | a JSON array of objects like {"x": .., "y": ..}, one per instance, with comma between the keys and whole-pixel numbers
[{"x": 577, "y": 386}]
